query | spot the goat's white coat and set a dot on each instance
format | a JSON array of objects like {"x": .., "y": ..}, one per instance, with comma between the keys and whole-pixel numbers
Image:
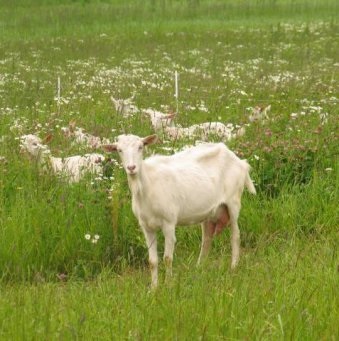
[
  {"x": 177, "y": 132},
  {"x": 183, "y": 189},
  {"x": 75, "y": 167},
  {"x": 203, "y": 130},
  {"x": 214, "y": 128}
]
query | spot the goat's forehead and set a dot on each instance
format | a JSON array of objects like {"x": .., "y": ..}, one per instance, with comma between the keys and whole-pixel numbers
[{"x": 129, "y": 140}]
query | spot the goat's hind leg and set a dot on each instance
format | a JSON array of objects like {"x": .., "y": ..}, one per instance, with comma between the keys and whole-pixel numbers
[{"x": 233, "y": 210}]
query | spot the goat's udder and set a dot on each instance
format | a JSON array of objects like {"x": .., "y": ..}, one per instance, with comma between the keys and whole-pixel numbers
[{"x": 223, "y": 220}]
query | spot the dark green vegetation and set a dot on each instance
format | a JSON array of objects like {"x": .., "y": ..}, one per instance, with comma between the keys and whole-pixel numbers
[{"x": 231, "y": 57}]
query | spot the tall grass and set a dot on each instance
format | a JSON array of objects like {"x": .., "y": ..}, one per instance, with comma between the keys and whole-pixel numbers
[{"x": 231, "y": 56}]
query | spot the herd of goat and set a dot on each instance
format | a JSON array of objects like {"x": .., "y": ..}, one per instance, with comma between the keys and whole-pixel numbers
[
  {"x": 202, "y": 184},
  {"x": 73, "y": 168}
]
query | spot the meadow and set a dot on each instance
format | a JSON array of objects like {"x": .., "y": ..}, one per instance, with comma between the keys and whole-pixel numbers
[{"x": 231, "y": 56}]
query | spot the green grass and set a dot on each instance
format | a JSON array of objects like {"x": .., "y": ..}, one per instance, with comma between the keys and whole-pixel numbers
[{"x": 230, "y": 56}]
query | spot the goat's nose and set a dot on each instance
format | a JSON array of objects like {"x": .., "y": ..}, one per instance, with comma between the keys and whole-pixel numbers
[{"x": 131, "y": 168}]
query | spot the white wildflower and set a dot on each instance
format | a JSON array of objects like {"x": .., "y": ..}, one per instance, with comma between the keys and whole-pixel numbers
[{"x": 87, "y": 236}]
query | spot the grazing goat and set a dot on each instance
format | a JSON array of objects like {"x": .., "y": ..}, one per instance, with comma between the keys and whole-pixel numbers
[
  {"x": 202, "y": 184},
  {"x": 73, "y": 167}
]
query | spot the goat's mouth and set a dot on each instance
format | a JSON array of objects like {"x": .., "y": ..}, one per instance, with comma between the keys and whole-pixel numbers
[{"x": 131, "y": 172}]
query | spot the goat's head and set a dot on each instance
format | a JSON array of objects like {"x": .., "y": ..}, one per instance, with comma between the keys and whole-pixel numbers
[
  {"x": 32, "y": 145},
  {"x": 130, "y": 149}
]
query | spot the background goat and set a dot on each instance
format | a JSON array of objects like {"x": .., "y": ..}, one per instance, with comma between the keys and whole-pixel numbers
[
  {"x": 158, "y": 119},
  {"x": 73, "y": 168},
  {"x": 202, "y": 184},
  {"x": 125, "y": 107}
]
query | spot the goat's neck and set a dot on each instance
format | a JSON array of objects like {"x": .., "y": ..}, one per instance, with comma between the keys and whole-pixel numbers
[
  {"x": 139, "y": 183},
  {"x": 42, "y": 158}
]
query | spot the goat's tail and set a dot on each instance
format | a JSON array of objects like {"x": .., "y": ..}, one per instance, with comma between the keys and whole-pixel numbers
[
  {"x": 249, "y": 184},
  {"x": 248, "y": 181}
]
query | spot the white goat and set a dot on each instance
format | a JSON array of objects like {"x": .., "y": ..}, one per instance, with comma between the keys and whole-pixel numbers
[
  {"x": 73, "y": 167},
  {"x": 158, "y": 119},
  {"x": 202, "y": 184},
  {"x": 214, "y": 128},
  {"x": 178, "y": 132},
  {"x": 80, "y": 137},
  {"x": 203, "y": 130},
  {"x": 125, "y": 107}
]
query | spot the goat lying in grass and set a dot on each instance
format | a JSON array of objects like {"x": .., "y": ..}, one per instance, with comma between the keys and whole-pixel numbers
[
  {"x": 80, "y": 137},
  {"x": 124, "y": 107},
  {"x": 73, "y": 168},
  {"x": 204, "y": 131},
  {"x": 259, "y": 113},
  {"x": 202, "y": 184},
  {"x": 159, "y": 120}
]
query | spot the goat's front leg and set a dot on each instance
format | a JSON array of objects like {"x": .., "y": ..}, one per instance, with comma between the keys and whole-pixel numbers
[
  {"x": 151, "y": 241},
  {"x": 169, "y": 234}
]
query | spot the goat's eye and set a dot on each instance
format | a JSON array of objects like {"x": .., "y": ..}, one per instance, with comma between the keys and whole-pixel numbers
[
  {"x": 119, "y": 150},
  {"x": 140, "y": 147}
]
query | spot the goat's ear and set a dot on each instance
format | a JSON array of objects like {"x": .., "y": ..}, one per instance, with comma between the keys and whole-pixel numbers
[
  {"x": 172, "y": 115},
  {"x": 169, "y": 116},
  {"x": 48, "y": 138},
  {"x": 109, "y": 147},
  {"x": 72, "y": 125},
  {"x": 150, "y": 139}
]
